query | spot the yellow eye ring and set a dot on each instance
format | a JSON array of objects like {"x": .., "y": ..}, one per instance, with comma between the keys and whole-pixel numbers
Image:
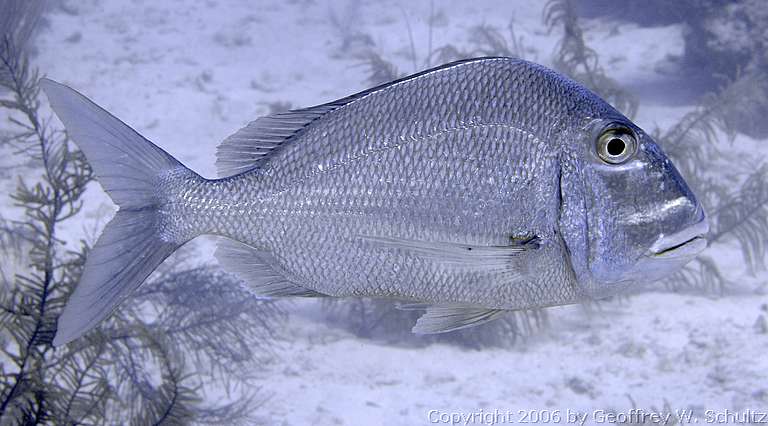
[{"x": 616, "y": 145}]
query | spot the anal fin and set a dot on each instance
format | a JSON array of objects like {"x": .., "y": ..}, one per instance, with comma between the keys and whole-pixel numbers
[
  {"x": 258, "y": 269},
  {"x": 445, "y": 318}
]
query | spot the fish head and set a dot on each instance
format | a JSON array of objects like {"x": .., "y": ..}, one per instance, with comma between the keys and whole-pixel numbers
[{"x": 627, "y": 215}]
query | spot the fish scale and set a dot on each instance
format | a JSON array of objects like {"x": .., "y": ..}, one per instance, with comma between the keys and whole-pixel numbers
[
  {"x": 316, "y": 171},
  {"x": 477, "y": 187}
]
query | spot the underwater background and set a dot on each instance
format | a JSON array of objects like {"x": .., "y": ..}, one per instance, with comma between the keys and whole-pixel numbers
[{"x": 192, "y": 347}]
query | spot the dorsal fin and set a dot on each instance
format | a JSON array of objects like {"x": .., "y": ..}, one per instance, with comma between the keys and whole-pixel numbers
[
  {"x": 254, "y": 144},
  {"x": 251, "y": 146}
]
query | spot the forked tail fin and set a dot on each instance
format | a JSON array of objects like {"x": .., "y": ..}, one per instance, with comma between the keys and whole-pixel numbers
[{"x": 129, "y": 168}]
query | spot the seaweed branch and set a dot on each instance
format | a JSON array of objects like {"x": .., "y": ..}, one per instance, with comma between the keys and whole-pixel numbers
[
  {"x": 107, "y": 377},
  {"x": 736, "y": 200},
  {"x": 575, "y": 58}
]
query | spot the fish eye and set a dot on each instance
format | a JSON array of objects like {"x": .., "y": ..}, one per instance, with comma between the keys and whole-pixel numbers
[{"x": 616, "y": 145}]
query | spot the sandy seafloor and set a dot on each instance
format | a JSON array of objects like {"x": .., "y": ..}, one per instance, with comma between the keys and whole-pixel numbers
[{"x": 186, "y": 74}]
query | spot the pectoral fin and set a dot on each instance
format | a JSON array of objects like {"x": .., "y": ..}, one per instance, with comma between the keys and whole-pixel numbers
[
  {"x": 259, "y": 270},
  {"x": 445, "y": 318},
  {"x": 487, "y": 258}
]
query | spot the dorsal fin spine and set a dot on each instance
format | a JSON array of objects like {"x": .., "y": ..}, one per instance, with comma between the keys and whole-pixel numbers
[{"x": 253, "y": 145}]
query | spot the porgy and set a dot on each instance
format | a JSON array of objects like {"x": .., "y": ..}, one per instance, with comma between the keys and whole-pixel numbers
[{"x": 467, "y": 190}]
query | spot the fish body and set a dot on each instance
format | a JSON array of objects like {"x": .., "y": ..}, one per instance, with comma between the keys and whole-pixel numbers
[{"x": 474, "y": 188}]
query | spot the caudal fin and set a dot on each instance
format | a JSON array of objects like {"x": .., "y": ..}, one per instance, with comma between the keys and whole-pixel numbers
[{"x": 129, "y": 168}]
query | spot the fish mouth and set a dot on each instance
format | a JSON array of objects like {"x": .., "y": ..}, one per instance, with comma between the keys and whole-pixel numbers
[{"x": 686, "y": 243}]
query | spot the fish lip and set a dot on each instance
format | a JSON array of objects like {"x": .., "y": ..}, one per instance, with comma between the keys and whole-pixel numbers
[
  {"x": 689, "y": 241},
  {"x": 688, "y": 248}
]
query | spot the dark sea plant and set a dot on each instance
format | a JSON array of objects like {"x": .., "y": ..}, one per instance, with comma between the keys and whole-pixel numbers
[
  {"x": 186, "y": 333},
  {"x": 574, "y": 58},
  {"x": 732, "y": 184}
]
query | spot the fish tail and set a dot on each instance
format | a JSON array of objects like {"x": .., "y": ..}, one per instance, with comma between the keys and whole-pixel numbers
[{"x": 130, "y": 169}]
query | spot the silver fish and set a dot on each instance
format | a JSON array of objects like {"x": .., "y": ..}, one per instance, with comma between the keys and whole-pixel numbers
[{"x": 471, "y": 189}]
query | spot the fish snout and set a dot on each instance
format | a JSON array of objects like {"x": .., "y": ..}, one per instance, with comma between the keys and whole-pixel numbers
[{"x": 685, "y": 243}]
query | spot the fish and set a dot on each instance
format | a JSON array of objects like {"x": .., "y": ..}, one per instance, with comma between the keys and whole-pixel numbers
[{"x": 469, "y": 190}]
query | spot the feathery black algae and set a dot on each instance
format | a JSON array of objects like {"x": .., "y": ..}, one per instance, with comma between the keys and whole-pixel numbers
[{"x": 472, "y": 189}]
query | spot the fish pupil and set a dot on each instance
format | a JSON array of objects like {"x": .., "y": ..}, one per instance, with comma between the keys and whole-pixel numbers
[{"x": 616, "y": 147}]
